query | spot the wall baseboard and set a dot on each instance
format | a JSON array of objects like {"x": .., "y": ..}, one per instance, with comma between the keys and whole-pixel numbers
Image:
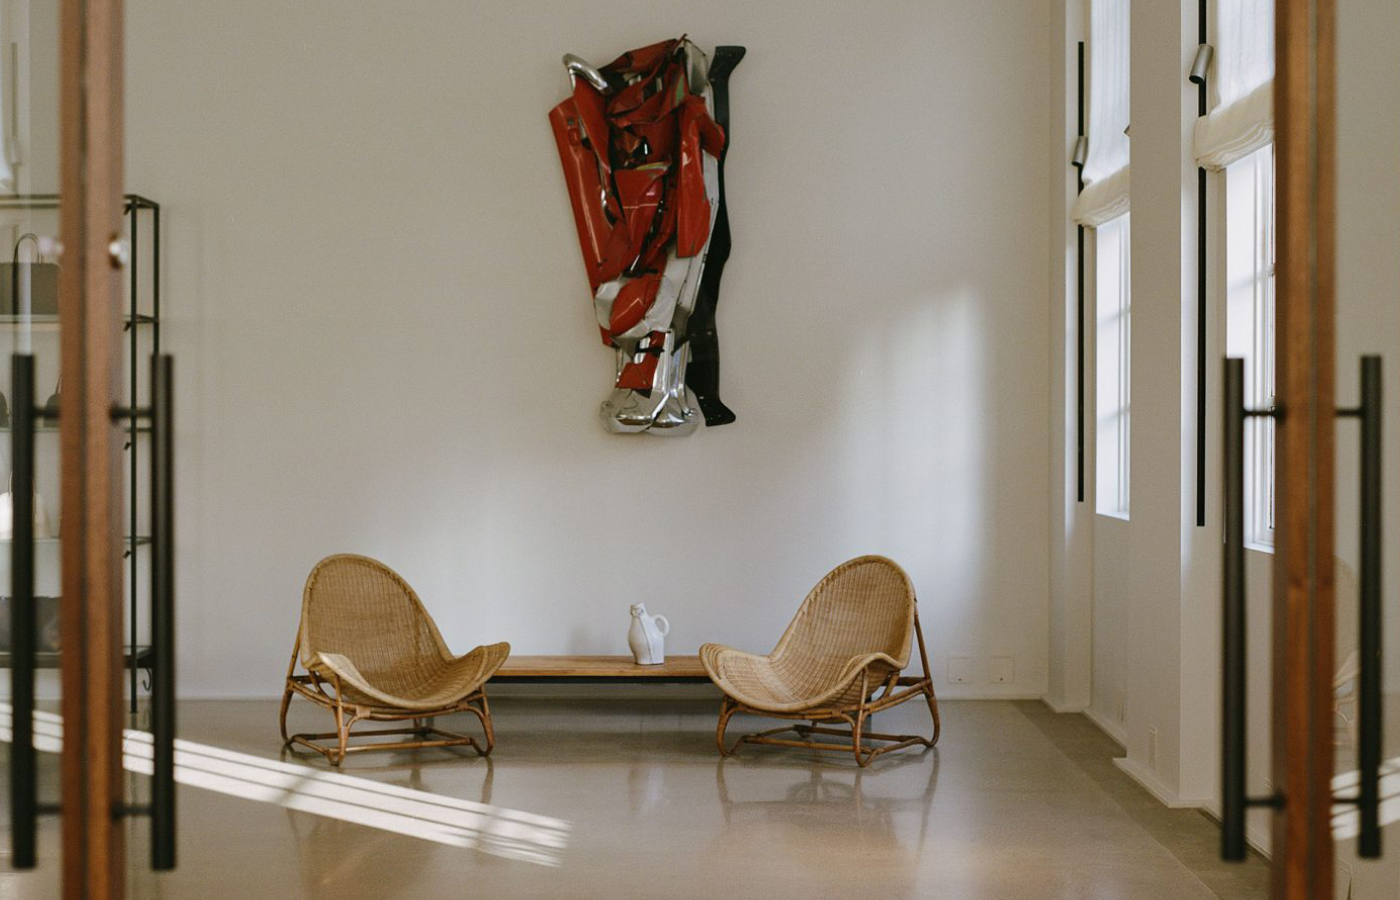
[
  {"x": 1059, "y": 706},
  {"x": 1255, "y": 836},
  {"x": 1112, "y": 729},
  {"x": 1155, "y": 786}
]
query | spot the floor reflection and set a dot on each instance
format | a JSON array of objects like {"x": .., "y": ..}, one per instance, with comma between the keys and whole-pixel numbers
[{"x": 786, "y": 810}]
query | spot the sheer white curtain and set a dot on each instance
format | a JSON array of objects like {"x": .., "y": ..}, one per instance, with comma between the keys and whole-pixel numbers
[
  {"x": 1243, "y": 75},
  {"x": 1105, "y": 194}
]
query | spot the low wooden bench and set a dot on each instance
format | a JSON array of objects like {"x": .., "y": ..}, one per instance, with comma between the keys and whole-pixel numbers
[{"x": 595, "y": 669}]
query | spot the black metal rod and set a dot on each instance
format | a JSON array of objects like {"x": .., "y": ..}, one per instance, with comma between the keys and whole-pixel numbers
[
  {"x": 1370, "y": 725},
  {"x": 1202, "y": 257},
  {"x": 134, "y": 473},
  {"x": 1233, "y": 705},
  {"x": 1201, "y": 316},
  {"x": 163, "y": 614},
  {"x": 24, "y": 782},
  {"x": 1079, "y": 314}
]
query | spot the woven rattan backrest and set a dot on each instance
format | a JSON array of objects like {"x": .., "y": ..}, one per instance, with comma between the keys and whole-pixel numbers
[
  {"x": 360, "y": 608},
  {"x": 865, "y": 605}
]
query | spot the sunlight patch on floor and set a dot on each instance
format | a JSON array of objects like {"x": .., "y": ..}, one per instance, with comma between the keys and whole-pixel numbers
[{"x": 507, "y": 833}]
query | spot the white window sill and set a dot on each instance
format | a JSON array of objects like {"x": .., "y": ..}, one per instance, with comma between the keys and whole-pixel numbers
[
  {"x": 1120, "y": 516},
  {"x": 1259, "y": 547}
]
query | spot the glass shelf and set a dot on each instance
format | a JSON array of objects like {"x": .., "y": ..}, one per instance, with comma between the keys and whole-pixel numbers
[
  {"x": 51, "y": 322},
  {"x": 49, "y": 659},
  {"x": 140, "y": 540},
  {"x": 54, "y": 429}
]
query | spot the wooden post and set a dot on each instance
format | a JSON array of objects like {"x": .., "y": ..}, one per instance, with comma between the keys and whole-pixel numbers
[
  {"x": 94, "y": 862},
  {"x": 1304, "y": 597}
]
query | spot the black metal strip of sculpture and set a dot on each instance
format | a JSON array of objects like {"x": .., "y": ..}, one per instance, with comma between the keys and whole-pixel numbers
[{"x": 702, "y": 376}]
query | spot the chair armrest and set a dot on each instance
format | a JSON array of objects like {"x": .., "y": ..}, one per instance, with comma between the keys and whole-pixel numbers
[{"x": 339, "y": 665}]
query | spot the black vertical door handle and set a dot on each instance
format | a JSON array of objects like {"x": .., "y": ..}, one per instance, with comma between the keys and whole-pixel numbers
[
  {"x": 163, "y": 613},
  {"x": 1370, "y": 730},
  {"x": 24, "y": 788},
  {"x": 1233, "y": 798}
]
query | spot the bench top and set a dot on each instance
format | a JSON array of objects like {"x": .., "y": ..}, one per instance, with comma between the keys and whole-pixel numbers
[{"x": 599, "y": 668}]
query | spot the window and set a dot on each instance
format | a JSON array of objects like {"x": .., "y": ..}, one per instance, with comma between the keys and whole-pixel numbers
[
  {"x": 1249, "y": 330},
  {"x": 1112, "y": 343}
]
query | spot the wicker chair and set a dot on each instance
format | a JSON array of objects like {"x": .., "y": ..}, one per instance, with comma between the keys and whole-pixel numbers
[
  {"x": 365, "y": 635},
  {"x": 839, "y": 661}
]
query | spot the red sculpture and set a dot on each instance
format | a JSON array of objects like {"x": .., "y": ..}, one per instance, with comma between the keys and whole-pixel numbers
[{"x": 642, "y": 153}]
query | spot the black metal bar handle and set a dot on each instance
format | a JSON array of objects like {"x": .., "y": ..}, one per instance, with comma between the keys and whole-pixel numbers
[
  {"x": 163, "y": 613},
  {"x": 1081, "y": 154},
  {"x": 24, "y": 782},
  {"x": 1369, "y": 705},
  {"x": 1233, "y": 798}
]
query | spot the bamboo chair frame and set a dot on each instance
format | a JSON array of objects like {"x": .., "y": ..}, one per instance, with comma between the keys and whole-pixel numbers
[
  {"x": 350, "y": 710},
  {"x": 883, "y": 691},
  {"x": 348, "y": 713}
]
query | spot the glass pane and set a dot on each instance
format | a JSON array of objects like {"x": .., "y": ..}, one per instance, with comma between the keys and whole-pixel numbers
[{"x": 1368, "y": 322}]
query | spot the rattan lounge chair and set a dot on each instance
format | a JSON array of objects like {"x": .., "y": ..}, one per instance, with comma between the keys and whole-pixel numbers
[
  {"x": 371, "y": 651},
  {"x": 839, "y": 661}
]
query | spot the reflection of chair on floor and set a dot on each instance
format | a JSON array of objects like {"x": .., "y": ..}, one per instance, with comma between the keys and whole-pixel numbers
[
  {"x": 365, "y": 634},
  {"x": 839, "y": 661},
  {"x": 821, "y": 795}
]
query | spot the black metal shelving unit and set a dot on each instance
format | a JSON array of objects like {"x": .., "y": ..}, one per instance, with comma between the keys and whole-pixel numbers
[{"x": 142, "y": 215}]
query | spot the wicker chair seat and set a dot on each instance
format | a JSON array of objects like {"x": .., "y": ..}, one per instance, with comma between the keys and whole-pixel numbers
[
  {"x": 784, "y": 685},
  {"x": 424, "y": 684}
]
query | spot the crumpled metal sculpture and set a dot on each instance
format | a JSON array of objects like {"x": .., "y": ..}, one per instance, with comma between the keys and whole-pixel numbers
[{"x": 642, "y": 141}]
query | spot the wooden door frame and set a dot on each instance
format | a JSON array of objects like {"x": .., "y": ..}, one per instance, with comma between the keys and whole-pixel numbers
[
  {"x": 90, "y": 307},
  {"x": 1304, "y": 598}
]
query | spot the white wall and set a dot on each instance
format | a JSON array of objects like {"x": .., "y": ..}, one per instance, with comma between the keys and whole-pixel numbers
[
  {"x": 1071, "y": 520},
  {"x": 384, "y": 340}
]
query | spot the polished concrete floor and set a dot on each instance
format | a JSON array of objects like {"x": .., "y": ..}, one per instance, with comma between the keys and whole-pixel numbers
[{"x": 620, "y": 799}]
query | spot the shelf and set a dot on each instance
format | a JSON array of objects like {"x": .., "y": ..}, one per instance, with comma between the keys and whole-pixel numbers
[
  {"x": 141, "y": 540},
  {"x": 54, "y": 429},
  {"x": 51, "y": 323},
  {"x": 50, "y": 659}
]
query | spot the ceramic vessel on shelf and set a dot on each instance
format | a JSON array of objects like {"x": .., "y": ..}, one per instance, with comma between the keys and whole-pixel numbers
[
  {"x": 647, "y": 636},
  {"x": 42, "y": 529}
]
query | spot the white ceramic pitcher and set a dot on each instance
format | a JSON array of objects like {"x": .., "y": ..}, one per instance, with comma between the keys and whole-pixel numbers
[{"x": 647, "y": 636}]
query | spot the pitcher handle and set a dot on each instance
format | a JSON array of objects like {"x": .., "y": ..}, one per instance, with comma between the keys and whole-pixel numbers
[{"x": 665, "y": 626}]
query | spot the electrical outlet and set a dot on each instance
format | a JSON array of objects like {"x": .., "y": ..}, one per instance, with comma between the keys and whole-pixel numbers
[
  {"x": 960, "y": 669},
  {"x": 1152, "y": 748},
  {"x": 1003, "y": 669}
]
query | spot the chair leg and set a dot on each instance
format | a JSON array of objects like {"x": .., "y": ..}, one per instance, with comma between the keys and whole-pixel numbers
[
  {"x": 933, "y": 711},
  {"x": 282, "y": 718},
  {"x": 487, "y": 726},
  {"x": 856, "y": 730},
  {"x": 342, "y": 731},
  {"x": 726, "y": 710}
]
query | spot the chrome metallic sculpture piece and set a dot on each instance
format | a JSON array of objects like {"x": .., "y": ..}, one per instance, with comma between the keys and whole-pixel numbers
[{"x": 642, "y": 141}]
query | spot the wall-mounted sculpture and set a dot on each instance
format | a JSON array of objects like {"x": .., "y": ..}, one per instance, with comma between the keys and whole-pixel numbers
[{"x": 643, "y": 141}]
